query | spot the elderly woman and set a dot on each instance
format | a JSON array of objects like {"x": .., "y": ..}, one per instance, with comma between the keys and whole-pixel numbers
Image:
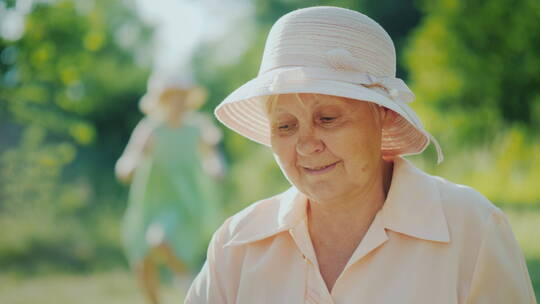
[{"x": 360, "y": 224}]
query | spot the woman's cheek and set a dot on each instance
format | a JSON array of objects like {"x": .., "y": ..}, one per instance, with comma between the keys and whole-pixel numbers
[
  {"x": 284, "y": 155},
  {"x": 290, "y": 164}
]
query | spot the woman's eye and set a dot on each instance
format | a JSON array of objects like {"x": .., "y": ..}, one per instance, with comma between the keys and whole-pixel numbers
[
  {"x": 327, "y": 119},
  {"x": 286, "y": 126}
]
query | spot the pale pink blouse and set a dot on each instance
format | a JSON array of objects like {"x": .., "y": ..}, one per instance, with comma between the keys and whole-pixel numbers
[{"x": 432, "y": 242}]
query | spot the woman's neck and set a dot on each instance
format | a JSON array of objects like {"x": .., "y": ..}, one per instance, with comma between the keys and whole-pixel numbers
[
  {"x": 336, "y": 228},
  {"x": 351, "y": 213}
]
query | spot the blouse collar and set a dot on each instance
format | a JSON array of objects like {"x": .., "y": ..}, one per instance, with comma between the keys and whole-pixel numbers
[{"x": 413, "y": 207}]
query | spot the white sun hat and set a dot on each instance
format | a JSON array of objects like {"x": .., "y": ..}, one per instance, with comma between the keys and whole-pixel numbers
[{"x": 331, "y": 51}]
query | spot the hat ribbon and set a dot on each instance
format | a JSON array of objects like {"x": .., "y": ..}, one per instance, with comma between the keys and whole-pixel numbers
[{"x": 395, "y": 88}]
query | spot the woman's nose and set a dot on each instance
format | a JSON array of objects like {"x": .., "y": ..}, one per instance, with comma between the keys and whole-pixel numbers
[{"x": 308, "y": 143}]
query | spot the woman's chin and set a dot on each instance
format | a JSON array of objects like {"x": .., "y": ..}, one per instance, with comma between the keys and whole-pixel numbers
[{"x": 322, "y": 192}]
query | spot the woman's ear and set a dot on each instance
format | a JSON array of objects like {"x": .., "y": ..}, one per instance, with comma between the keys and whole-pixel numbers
[
  {"x": 382, "y": 114},
  {"x": 388, "y": 117}
]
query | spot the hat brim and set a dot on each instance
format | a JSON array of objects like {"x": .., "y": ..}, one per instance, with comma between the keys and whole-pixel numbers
[{"x": 244, "y": 112}]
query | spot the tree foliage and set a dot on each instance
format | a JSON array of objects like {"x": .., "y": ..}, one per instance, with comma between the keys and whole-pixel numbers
[
  {"x": 481, "y": 57},
  {"x": 69, "y": 89},
  {"x": 475, "y": 67}
]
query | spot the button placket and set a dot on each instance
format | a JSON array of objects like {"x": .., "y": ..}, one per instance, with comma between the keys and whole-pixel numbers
[
  {"x": 314, "y": 283},
  {"x": 310, "y": 295}
]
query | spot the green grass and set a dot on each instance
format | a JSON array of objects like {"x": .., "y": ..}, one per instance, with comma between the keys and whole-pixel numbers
[
  {"x": 114, "y": 287},
  {"x": 120, "y": 287}
]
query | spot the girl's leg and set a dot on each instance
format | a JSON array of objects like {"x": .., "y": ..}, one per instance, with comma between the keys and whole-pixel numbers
[
  {"x": 182, "y": 276},
  {"x": 170, "y": 259},
  {"x": 147, "y": 274}
]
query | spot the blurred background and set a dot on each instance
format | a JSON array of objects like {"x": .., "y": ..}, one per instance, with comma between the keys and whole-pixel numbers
[{"x": 72, "y": 72}]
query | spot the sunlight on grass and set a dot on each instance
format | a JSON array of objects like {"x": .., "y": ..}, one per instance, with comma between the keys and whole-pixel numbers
[{"x": 116, "y": 287}]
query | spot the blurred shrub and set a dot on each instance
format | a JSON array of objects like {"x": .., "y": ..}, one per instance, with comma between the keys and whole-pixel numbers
[
  {"x": 69, "y": 88},
  {"x": 475, "y": 68}
]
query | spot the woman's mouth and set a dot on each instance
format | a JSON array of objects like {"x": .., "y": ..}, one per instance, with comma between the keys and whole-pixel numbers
[{"x": 320, "y": 169}]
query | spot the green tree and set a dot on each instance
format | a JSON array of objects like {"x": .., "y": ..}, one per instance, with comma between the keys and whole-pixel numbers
[
  {"x": 69, "y": 91},
  {"x": 475, "y": 68}
]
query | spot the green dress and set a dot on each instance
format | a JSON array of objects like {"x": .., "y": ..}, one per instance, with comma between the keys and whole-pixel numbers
[{"x": 171, "y": 199}]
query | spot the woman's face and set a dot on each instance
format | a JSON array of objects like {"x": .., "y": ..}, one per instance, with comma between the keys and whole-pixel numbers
[{"x": 329, "y": 147}]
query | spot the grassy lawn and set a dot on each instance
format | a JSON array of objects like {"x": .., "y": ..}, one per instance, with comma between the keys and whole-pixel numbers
[
  {"x": 120, "y": 287},
  {"x": 114, "y": 287}
]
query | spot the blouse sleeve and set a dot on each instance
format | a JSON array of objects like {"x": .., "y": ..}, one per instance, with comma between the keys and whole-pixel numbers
[
  {"x": 207, "y": 287},
  {"x": 500, "y": 274}
]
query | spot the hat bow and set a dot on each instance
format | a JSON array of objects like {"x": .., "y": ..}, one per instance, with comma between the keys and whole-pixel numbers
[{"x": 343, "y": 66}]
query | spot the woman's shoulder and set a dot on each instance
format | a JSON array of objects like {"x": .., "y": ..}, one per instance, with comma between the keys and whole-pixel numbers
[
  {"x": 464, "y": 205},
  {"x": 257, "y": 221},
  {"x": 459, "y": 202}
]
